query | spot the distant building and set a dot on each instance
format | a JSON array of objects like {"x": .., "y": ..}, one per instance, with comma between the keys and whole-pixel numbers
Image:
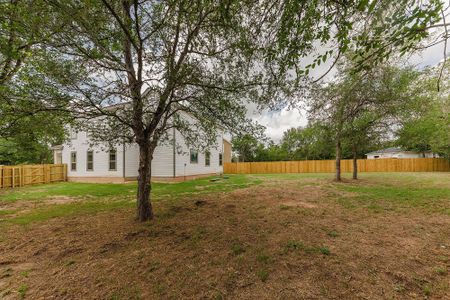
[{"x": 394, "y": 152}]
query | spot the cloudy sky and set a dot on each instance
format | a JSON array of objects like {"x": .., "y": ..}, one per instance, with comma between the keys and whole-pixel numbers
[{"x": 276, "y": 122}]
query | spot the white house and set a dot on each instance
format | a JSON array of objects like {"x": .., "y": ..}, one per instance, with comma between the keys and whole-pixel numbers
[
  {"x": 173, "y": 161},
  {"x": 398, "y": 153}
]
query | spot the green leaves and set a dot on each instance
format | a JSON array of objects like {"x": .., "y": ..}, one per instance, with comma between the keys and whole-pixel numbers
[
  {"x": 425, "y": 118},
  {"x": 362, "y": 5}
]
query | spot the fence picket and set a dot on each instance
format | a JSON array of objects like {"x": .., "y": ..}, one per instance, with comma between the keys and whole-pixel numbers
[
  {"x": 328, "y": 166},
  {"x": 16, "y": 176}
]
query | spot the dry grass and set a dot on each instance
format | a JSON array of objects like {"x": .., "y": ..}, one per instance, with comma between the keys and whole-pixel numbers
[{"x": 292, "y": 237}]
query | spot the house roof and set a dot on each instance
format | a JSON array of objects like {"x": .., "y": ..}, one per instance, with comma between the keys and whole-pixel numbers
[
  {"x": 387, "y": 150},
  {"x": 390, "y": 150}
]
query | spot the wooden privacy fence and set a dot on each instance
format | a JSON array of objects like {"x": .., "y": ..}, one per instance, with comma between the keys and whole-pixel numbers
[
  {"x": 15, "y": 176},
  {"x": 329, "y": 166}
]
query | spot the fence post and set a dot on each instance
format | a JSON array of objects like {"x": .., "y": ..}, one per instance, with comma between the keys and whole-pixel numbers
[
  {"x": 1, "y": 177},
  {"x": 43, "y": 176},
  {"x": 65, "y": 172},
  {"x": 13, "y": 178},
  {"x": 20, "y": 175},
  {"x": 47, "y": 173}
]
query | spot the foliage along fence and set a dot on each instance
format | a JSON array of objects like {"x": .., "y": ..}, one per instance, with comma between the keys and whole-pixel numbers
[
  {"x": 329, "y": 166},
  {"x": 16, "y": 176}
]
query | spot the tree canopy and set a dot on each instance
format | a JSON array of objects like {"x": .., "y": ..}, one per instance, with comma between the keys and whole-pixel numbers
[{"x": 424, "y": 122}]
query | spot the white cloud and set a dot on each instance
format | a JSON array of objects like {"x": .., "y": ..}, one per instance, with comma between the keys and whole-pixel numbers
[{"x": 277, "y": 122}]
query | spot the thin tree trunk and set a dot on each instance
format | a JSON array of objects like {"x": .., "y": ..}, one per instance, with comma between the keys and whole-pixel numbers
[
  {"x": 144, "y": 207},
  {"x": 355, "y": 162},
  {"x": 338, "y": 160}
]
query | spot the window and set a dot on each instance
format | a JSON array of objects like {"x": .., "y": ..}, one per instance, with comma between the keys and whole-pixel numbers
[
  {"x": 194, "y": 156},
  {"x": 90, "y": 161},
  {"x": 376, "y": 156},
  {"x": 73, "y": 161},
  {"x": 220, "y": 159},
  {"x": 207, "y": 158},
  {"x": 73, "y": 134},
  {"x": 58, "y": 157},
  {"x": 112, "y": 160}
]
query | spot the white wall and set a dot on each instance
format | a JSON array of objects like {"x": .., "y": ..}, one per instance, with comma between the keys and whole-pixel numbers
[
  {"x": 184, "y": 167},
  {"x": 400, "y": 155},
  {"x": 162, "y": 164},
  {"x": 101, "y": 158},
  {"x": 131, "y": 160}
]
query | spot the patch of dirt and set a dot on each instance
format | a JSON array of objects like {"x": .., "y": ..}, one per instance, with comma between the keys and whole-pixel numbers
[
  {"x": 236, "y": 245},
  {"x": 295, "y": 203},
  {"x": 60, "y": 200},
  {"x": 200, "y": 202},
  {"x": 25, "y": 206}
]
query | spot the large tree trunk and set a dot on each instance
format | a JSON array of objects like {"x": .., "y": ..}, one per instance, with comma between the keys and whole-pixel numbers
[
  {"x": 338, "y": 160},
  {"x": 355, "y": 162},
  {"x": 144, "y": 206}
]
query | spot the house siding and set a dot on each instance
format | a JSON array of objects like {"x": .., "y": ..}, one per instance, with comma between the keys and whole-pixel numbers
[
  {"x": 184, "y": 167},
  {"x": 80, "y": 145},
  {"x": 162, "y": 163},
  {"x": 226, "y": 151},
  {"x": 399, "y": 155}
]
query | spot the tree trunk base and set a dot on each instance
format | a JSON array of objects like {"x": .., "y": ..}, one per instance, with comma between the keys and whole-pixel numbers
[
  {"x": 355, "y": 163},
  {"x": 147, "y": 216},
  {"x": 144, "y": 207},
  {"x": 144, "y": 210}
]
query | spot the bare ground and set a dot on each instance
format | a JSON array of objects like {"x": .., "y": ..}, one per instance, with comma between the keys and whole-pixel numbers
[
  {"x": 274, "y": 241},
  {"x": 23, "y": 207}
]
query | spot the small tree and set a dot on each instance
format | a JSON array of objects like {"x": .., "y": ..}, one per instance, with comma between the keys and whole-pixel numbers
[
  {"x": 361, "y": 106},
  {"x": 334, "y": 105},
  {"x": 369, "y": 128}
]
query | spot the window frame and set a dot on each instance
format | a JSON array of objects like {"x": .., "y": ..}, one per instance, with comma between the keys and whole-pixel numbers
[
  {"x": 191, "y": 151},
  {"x": 58, "y": 158},
  {"x": 73, "y": 154},
  {"x": 207, "y": 158},
  {"x": 110, "y": 161},
  {"x": 87, "y": 161}
]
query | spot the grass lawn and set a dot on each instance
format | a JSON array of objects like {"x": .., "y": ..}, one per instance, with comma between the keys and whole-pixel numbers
[
  {"x": 286, "y": 236},
  {"x": 77, "y": 198}
]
